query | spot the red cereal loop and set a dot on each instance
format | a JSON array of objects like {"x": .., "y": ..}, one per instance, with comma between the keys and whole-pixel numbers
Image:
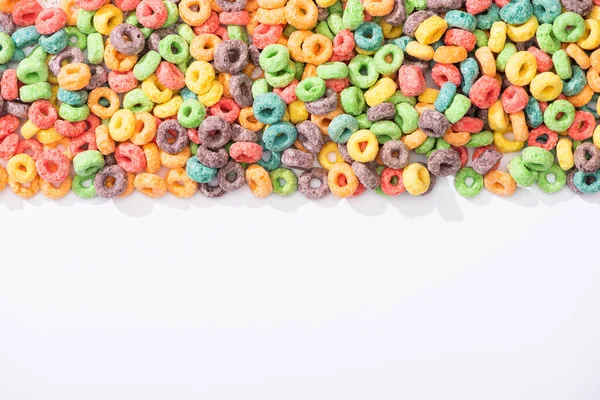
[
  {"x": 9, "y": 87},
  {"x": 69, "y": 129},
  {"x": 31, "y": 147},
  {"x": 463, "y": 154},
  {"x": 359, "y": 190},
  {"x": 130, "y": 157},
  {"x": 387, "y": 181},
  {"x": 542, "y": 137},
  {"x": 43, "y": 114},
  {"x": 83, "y": 142},
  {"x": 288, "y": 93},
  {"x": 460, "y": 37},
  {"x": 343, "y": 43},
  {"x": 501, "y": 3},
  {"x": 222, "y": 33},
  {"x": 246, "y": 152},
  {"x": 543, "y": 105},
  {"x": 468, "y": 124},
  {"x": 151, "y": 13},
  {"x": 264, "y": 35},
  {"x": 475, "y": 7},
  {"x": 170, "y": 76},
  {"x": 8, "y": 124},
  {"x": 209, "y": 26},
  {"x": 337, "y": 85},
  {"x": 127, "y": 5},
  {"x": 50, "y": 20},
  {"x": 241, "y": 18},
  {"x": 53, "y": 166},
  {"x": 193, "y": 135},
  {"x": 335, "y": 57},
  {"x": 544, "y": 61},
  {"x": 442, "y": 73},
  {"x": 25, "y": 12},
  {"x": 479, "y": 151},
  {"x": 411, "y": 80},
  {"x": 91, "y": 123},
  {"x": 226, "y": 108},
  {"x": 90, "y": 5},
  {"x": 8, "y": 146},
  {"x": 484, "y": 92},
  {"x": 514, "y": 99},
  {"x": 583, "y": 126},
  {"x": 122, "y": 82}
]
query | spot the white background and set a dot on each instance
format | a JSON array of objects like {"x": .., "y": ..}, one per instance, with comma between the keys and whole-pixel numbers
[{"x": 435, "y": 298}]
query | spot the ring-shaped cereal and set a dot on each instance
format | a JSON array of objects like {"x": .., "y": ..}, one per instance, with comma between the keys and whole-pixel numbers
[
  {"x": 342, "y": 180},
  {"x": 52, "y": 192},
  {"x": 316, "y": 49},
  {"x": 105, "y": 144},
  {"x": 75, "y": 76},
  {"x": 191, "y": 17},
  {"x": 122, "y": 125},
  {"x": 259, "y": 181},
  {"x": 116, "y": 61},
  {"x": 53, "y": 166},
  {"x": 301, "y": 14},
  {"x": 179, "y": 184},
  {"x": 24, "y": 190},
  {"x": 416, "y": 179},
  {"x": 500, "y": 183},
  {"x": 21, "y": 168},
  {"x": 199, "y": 77},
  {"x": 104, "y": 95},
  {"x": 107, "y": 18},
  {"x": 521, "y": 68},
  {"x": 203, "y": 47},
  {"x": 145, "y": 128},
  {"x": 363, "y": 146},
  {"x": 150, "y": 185}
]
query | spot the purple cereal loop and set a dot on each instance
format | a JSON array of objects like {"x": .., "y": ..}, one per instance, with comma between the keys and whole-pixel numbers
[
  {"x": 388, "y": 151},
  {"x": 581, "y": 7},
  {"x": 212, "y": 158},
  {"x": 343, "y": 150},
  {"x": 165, "y": 132},
  {"x": 241, "y": 134},
  {"x": 443, "y": 5},
  {"x": 224, "y": 173},
  {"x": 398, "y": 14},
  {"x": 254, "y": 54},
  {"x": 304, "y": 183},
  {"x": 99, "y": 77},
  {"x": 240, "y": 87},
  {"x": 444, "y": 162},
  {"x": 324, "y": 105},
  {"x": 16, "y": 108},
  {"x": 233, "y": 5},
  {"x": 210, "y": 191},
  {"x": 433, "y": 123},
  {"x": 214, "y": 132},
  {"x": 310, "y": 136},
  {"x": 6, "y": 24},
  {"x": 294, "y": 158},
  {"x": 71, "y": 54},
  {"x": 120, "y": 181},
  {"x": 110, "y": 159},
  {"x": 322, "y": 13},
  {"x": 587, "y": 158},
  {"x": 127, "y": 39},
  {"x": 414, "y": 20},
  {"x": 486, "y": 161},
  {"x": 422, "y": 65},
  {"x": 570, "y": 183},
  {"x": 231, "y": 56},
  {"x": 383, "y": 111},
  {"x": 366, "y": 175}
]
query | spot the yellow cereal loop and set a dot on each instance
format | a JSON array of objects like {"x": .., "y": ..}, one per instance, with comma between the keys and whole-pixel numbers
[
  {"x": 169, "y": 109},
  {"x": 521, "y": 68},
  {"x": 156, "y": 91},
  {"x": 497, "y": 36},
  {"x": 505, "y": 145},
  {"x": 416, "y": 179},
  {"x": 213, "y": 96},
  {"x": 357, "y": 140},
  {"x": 21, "y": 168},
  {"x": 497, "y": 118},
  {"x": 431, "y": 30},
  {"x": 450, "y": 54},
  {"x": 420, "y": 51},
  {"x": 297, "y": 111},
  {"x": 596, "y": 136},
  {"x": 329, "y": 148},
  {"x": 199, "y": 77},
  {"x": 380, "y": 92},
  {"x": 523, "y": 32},
  {"x": 390, "y": 31},
  {"x": 591, "y": 36},
  {"x": 29, "y": 130},
  {"x": 546, "y": 86},
  {"x": 121, "y": 125},
  {"x": 564, "y": 153},
  {"x": 48, "y": 136},
  {"x": 428, "y": 96}
]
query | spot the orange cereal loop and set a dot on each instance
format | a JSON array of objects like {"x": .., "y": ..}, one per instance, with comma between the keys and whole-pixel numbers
[
  {"x": 175, "y": 160},
  {"x": 271, "y": 17},
  {"x": 130, "y": 185},
  {"x": 519, "y": 126},
  {"x": 6, "y": 6},
  {"x": 55, "y": 192},
  {"x": 150, "y": 184},
  {"x": 323, "y": 121},
  {"x": 180, "y": 184},
  {"x": 71, "y": 9},
  {"x": 223, "y": 79},
  {"x": 3, "y": 178},
  {"x": 248, "y": 121},
  {"x": 298, "y": 145},
  {"x": 106, "y": 144},
  {"x": 317, "y": 49},
  {"x": 577, "y": 54},
  {"x": 252, "y": 5},
  {"x": 415, "y": 139},
  {"x": 152, "y": 154},
  {"x": 203, "y": 46},
  {"x": 581, "y": 99},
  {"x": 25, "y": 190},
  {"x": 282, "y": 40},
  {"x": 301, "y": 14},
  {"x": 341, "y": 180},
  {"x": 145, "y": 128},
  {"x": 252, "y": 24},
  {"x": 295, "y": 42},
  {"x": 215, "y": 7},
  {"x": 309, "y": 70},
  {"x": 195, "y": 18},
  {"x": 75, "y": 76},
  {"x": 593, "y": 79},
  {"x": 457, "y": 138},
  {"x": 259, "y": 181},
  {"x": 98, "y": 109},
  {"x": 378, "y": 8},
  {"x": 595, "y": 60},
  {"x": 271, "y": 4},
  {"x": 500, "y": 183},
  {"x": 116, "y": 61}
]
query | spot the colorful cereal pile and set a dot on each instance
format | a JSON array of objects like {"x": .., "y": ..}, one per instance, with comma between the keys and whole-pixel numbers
[{"x": 106, "y": 97}]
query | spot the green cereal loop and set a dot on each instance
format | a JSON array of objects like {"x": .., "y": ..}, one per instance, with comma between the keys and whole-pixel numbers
[
  {"x": 310, "y": 89},
  {"x": 547, "y": 42},
  {"x": 568, "y": 27},
  {"x": 38, "y": 53},
  {"x": 378, "y": 190},
  {"x": 481, "y": 38},
  {"x": 362, "y": 72},
  {"x": 323, "y": 29},
  {"x": 236, "y": 32},
  {"x": 191, "y": 113},
  {"x": 76, "y": 37},
  {"x": 172, "y": 14},
  {"x": 289, "y": 184},
  {"x": 353, "y": 15},
  {"x": 186, "y": 32},
  {"x": 31, "y": 70},
  {"x": 95, "y": 48},
  {"x": 566, "y": 119},
  {"x": 146, "y": 65},
  {"x": 299, "y": 70},
  {"x": 468, "y": 190},
  {"x": 562, "y": 64},
  {"x": 459, "y": 107},
  {"x": 426, "y": 146},
  {"x": 260, "y": 86},
  {"x": 7, "y": 48},
  {"x": 384, "y": 67},
  {"x": 407, "y": 118},
  {"x": 418, "y": 4},
  {"x": 132, "y": 20},
  {"x": 560, "y": 179},
  {"x": 409, "y": 7},
  {"x": 180, "y": 46},
  {"x": 184, "y": 65},
  {"x": 386, "y": 131},
  {"x": 537, "y": 159},
  {"x": 82, "y": 191},
  {"x": 335, "y": 23},
  {"x": 136, "y": 101},
  {"x": 332, "y": 70},
  {"x": 36, "y": 91},
  {"x": 88, "y": 162},
  {"x": 398, "y": 98},
  {"x": 85, "y": 21},
  {"x": 288, "y": 30},
  {"x": 440, "y": 143},
  {"x": 363, "y": 121},
  {"x": 520, "y": 173},
  {"x": 353, "y": 100},
  {"x": 281, "y": 78},
  {"x": 274, "y": 57},
  {"x": 483, "y": 138},
  {"x": 72, "y": 113},
  {"x": 336, "y": 8},
  {"x": 194, "y": 148},
  {"x": 507, "y": 52}
]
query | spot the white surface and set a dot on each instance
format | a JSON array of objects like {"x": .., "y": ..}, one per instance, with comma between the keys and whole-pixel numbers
[{"x": 434, "y": 298}]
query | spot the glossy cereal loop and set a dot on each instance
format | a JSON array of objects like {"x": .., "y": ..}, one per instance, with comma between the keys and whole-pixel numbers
[{"x": 500, "y": 183}]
